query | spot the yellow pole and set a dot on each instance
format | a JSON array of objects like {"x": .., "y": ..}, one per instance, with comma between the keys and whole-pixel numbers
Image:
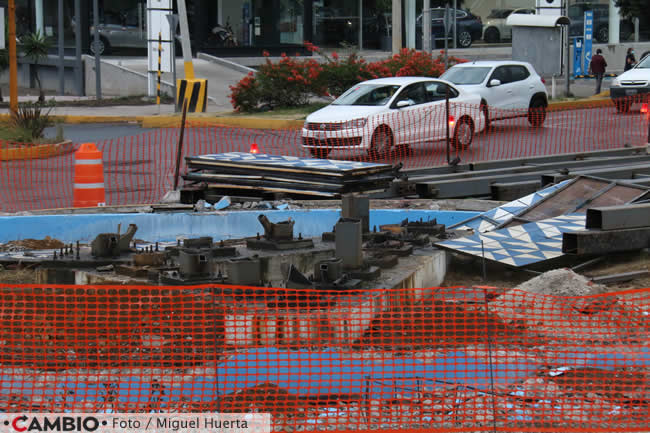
[{"x": 13, "y": 66}]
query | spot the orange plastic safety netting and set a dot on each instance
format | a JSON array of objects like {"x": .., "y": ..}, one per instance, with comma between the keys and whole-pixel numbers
[
  {"x": 409, "y": 359},
  {"x": 140, "y": 168}
]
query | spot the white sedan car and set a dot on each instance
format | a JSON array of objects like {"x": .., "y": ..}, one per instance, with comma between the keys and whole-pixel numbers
[{"x": 379, "y": 115}]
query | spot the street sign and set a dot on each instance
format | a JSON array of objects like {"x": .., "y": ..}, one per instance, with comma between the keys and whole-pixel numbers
[{"x": 589, "y": 32}]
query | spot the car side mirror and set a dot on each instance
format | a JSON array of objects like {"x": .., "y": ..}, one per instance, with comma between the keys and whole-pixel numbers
[
  {"x": 405, "y": 103},
  {"x": 495, "y": 82}
]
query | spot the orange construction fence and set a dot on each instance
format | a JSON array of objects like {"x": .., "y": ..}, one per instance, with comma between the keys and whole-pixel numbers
[
  {"x": 390, "y": 360},
  {"x": 140, "y": 168}
]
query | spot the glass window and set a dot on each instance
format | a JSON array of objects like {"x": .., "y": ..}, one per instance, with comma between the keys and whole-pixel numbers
[
  {"x": 415, "y": 92},
  {"x": 466, "y": 74},
  {"x": 645, "y": 62},
  {"x": 336, "y": 23},
  {"x": 518, "y": 73},
  {"x": 502, "y": 73},
  {"x": 367, "y": 94},
  {"x": 500, "y": 13},
  {"x": 437, "y": 91}
]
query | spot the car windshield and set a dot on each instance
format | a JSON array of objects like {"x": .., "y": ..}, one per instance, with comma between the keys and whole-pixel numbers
[
  {"x": 500, "y": 13},
  {"x": 367, "y": 94},
  {"x": 466, "y": 74},
  {"x": 645, "y": 63}
]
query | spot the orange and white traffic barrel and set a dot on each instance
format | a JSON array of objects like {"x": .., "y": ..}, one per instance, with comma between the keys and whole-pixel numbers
[{"x": 88, "y": 177}]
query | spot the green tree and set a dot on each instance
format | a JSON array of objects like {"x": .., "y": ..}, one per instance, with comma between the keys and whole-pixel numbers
[
  {"x": 635, "y": 8},
  {"x": 36, "y": 46}
]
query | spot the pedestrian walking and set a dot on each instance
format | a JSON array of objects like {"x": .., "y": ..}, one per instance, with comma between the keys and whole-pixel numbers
[
  {"x": 597, "y": 67},
  {"x": 630, "y": 60}
]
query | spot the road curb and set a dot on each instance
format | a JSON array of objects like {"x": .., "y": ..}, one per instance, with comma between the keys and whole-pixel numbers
[
  {"x": 238, "y": 122},
  {"x": 37, "y": 151},
  {"x": 251, "y": 122}
]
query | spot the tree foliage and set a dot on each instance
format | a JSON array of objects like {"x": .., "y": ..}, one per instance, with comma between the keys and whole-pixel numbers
[{"x": 635, "y": 8}]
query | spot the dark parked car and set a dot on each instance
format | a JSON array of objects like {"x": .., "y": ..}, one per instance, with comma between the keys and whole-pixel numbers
[
  {"x": 469, "y": 27},
  {"x": 601, "y": 21}
]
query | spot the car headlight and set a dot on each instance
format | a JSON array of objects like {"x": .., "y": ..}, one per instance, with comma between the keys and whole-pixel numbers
[
  {"x": 356, "y": 123},
  {"x": 615, "y": 82},
  {"x": 305, "y": 125}
]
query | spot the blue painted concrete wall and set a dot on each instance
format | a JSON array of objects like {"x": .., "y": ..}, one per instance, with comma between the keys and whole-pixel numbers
[{"x": 220, "y": 225}]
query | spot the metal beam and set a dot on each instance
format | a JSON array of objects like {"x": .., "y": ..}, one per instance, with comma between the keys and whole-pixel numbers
[
  {"x": 605, "y": 242},
  {"x": 625, "y": 171},
  {"x": 618, "y": 278},
  {"x": 509, "y": 191},
  {"x": 618, "y": 217},
  {"x": 501, "y": 163},
  {"x": 564, "y": 167}
]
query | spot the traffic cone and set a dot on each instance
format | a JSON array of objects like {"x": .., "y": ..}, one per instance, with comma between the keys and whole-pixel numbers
[{"x": 88, "y": 177}]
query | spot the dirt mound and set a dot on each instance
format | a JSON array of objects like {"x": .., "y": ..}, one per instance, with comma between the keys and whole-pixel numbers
[
  {"x": 559, "y": 305},
  {"x": 561, "y": 282},
  {"x": 32, "y": 244}
]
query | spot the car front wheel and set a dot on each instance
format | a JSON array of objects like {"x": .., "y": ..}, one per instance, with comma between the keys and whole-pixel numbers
[
  {"x": 464, "y": 39},
  {"x": 463, "y": 134},
  {"x": 382, "y": 142},
  {"x": 103, "y": 47}
]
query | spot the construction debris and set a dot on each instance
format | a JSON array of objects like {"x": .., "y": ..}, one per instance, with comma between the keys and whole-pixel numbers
[{"x": 259, "y": 175}]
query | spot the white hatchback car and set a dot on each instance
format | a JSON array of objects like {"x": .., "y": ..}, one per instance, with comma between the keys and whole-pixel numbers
[
  {"x": 507, "y": 88},
  {"x": 379, "y": 115}
]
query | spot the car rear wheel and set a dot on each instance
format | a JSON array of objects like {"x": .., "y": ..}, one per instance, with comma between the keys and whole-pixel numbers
[
  {"x": 382, "y": 142},
  {"x": 537, "y": 112},
  {"x": 320, "y": 153},
  {"x": 104, "y": 47},
  {"x": 492, "y": 35},
  {"x": 464, "y": 39},
  {"x": 463, "y": 134},
  {"x": 622, "y": 106}
]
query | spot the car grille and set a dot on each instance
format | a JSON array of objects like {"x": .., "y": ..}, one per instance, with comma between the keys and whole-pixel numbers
[
  {"x": 313, "y": 126},
  {"x": 635, "y": 83},
  {"x": 332, "y": 142}
]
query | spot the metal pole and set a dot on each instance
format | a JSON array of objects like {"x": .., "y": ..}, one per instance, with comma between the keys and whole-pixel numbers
[
  {"x": 78, "y": 72},
  {"x": 159, "y": 70},
  {"x": 567, "y": 61},
  {"x": 447, "y": 121},
  {"x": 185, "y": 40},
  {"x": 173, "y": 23},
  {"x": 396, "y": 26},
  {"x": 179, "y": 149},
  {"x": 61, "y": 50},
  {"x": 426, "y": 26},
  {"x": 13, "y": 66},
  {"x": 446, "y": 30},
  {"x": 455, "y": 7},
  {"x": 360, "y": 25},
  {"x": 98, "y": 65}
]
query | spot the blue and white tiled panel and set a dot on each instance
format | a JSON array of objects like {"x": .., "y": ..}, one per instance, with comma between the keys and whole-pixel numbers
[
  {"x": 288, "y": 161},
  {"x": 487, "y": 221},
  {"x": 521, "y": 245}
]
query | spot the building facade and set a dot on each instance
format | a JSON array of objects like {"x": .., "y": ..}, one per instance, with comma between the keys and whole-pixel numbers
[{"x": 272, "y": 25}]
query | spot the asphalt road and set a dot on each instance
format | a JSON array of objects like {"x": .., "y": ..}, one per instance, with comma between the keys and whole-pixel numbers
[{"x": 139, "y": 164}]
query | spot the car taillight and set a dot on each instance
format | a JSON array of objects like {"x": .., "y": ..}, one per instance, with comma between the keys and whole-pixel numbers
[
  {"x": 254, "y": 148},
  {"x": 452, "y": 120},
  {"x": 644, "y": 108},
  {"x": 543, "y": 80}
]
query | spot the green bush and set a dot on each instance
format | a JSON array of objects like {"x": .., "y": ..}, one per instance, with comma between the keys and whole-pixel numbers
[
  {"x": 293, "y": 81},
  {"x": 30, "y": 121}
]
